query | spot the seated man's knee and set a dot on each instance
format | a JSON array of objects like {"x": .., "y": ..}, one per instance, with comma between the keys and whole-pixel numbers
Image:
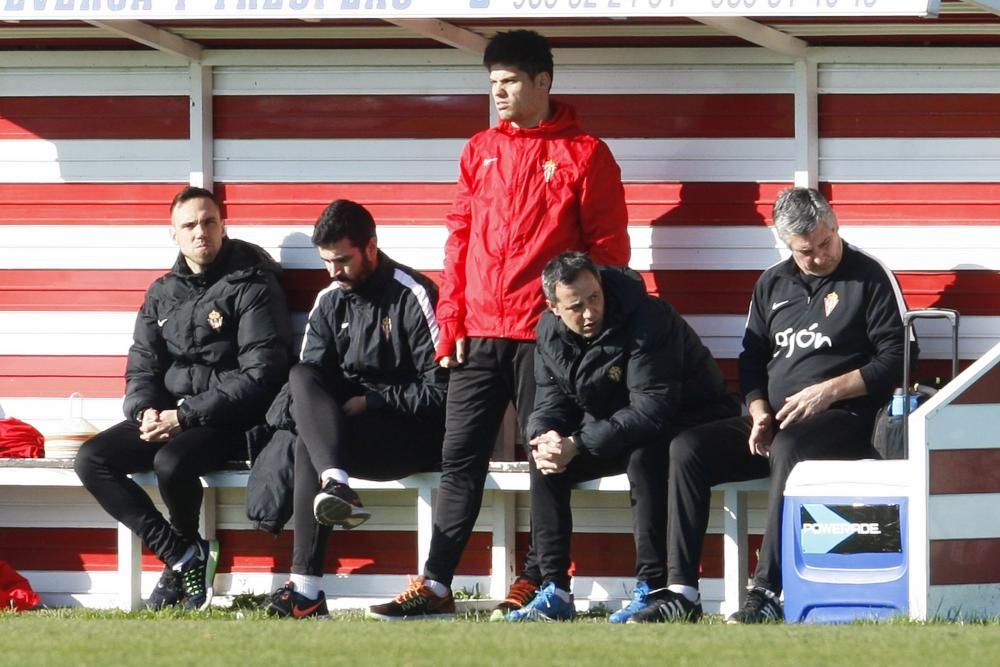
[
  {"x": 168, "y": 464},
  {"x": 88, "y": 461},
  {"x": 301, "y": 374},
  {"x": 783, "y": 449}
]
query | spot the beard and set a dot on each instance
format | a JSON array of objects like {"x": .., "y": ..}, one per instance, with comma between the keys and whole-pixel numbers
[{"x": 364, "y": 273}]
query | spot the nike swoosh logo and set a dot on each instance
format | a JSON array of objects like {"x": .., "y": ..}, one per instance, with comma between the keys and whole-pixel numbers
[
  {"x": 490, "y": 160},
  {"x": 299, "y": 613},
  {"x": 160, "y": 323},
  {"x": 778, "y": 304}
]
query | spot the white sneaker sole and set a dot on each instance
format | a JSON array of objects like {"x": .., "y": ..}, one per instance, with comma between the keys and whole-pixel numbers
[{"x": 331, "y": 511}]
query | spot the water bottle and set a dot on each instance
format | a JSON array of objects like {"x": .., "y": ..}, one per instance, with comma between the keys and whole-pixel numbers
[{"x": 896, "y": 407}]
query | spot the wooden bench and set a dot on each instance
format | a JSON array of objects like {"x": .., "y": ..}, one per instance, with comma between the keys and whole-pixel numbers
[{"x": 506, "y": 478}]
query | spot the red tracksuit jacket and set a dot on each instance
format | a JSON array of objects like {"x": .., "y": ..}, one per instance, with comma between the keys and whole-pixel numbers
[{"x": 524, "y": 196}]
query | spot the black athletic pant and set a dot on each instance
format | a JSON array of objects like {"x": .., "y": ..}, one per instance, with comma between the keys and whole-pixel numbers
[
  {"x": 370, "y": 446},
  {"x": 718, "y": 452},
  {"x": 552, "y": 517},
  {"x": 496, "y": 372},
  {"x": 105, "y": 460}
]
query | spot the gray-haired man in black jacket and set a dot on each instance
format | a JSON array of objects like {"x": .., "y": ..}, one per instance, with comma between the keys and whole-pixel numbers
[
  {"x": 619, "y": 373},
  {"x": 211, "y": 349},
  {"x": 822, "y": 350}
]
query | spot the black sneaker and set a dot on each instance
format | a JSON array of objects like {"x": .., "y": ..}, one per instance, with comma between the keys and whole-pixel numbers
[
  {"x": 168, "y": 590},
  {"x": 338, "y": 505},
  {"x": 761, "y": 606},
  {"x": 287, "y": 603},
  {"x": 198, "y": 575},
  {"x": 666, "y": 606}
]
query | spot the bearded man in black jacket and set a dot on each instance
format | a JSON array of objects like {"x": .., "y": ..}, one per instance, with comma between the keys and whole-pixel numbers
[
  {"x": 619, "y": 373},
  {"x": 367, "y": 399},
  {"x": 211, "y": 349}
]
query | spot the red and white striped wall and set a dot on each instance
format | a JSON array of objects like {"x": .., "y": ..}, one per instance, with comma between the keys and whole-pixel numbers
[
  {"x": 954, "y": 530},
  {"x": 94, "y": 145}
]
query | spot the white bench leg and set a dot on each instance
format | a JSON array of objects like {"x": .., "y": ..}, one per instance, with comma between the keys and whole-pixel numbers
[
  {"x": 207, "y": 518},
  {"x": 425, "y": 525},
  {"x": 736, "y": 560},
  {"x": 502, "y": 552},
  {"x": 129, "y": 569}
]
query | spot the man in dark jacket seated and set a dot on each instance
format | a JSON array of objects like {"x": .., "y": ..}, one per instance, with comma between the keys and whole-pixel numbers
[
  {"x": 822, "y": 349},
  {"x": 619, "y": 373},
  {"x": 367, "y": 398},
  {"x": 211, "y": 349}
]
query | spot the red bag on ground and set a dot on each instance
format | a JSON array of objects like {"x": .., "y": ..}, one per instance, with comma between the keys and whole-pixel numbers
[
  {"x": 19, "y": 440},
  {"x": 15, "y": 591}
]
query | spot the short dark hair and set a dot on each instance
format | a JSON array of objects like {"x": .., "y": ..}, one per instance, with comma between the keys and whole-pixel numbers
[
  {"x": 194, "y": 192},
  {"x": 565, "y": 269},
  {"x": 344, "y": 218},
  {"x": 524, "y": 49}
]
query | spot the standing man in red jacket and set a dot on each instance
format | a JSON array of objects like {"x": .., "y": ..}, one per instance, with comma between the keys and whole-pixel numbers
[{"x": 534, "y": 186}]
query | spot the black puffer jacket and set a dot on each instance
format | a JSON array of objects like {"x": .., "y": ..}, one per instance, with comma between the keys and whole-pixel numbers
[
  {"x": 217, "y": 343},
  {"x": 646, "y": 375}
]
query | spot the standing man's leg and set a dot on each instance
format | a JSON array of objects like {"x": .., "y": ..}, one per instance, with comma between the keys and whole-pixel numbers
[{"x": 478, "y": 394}]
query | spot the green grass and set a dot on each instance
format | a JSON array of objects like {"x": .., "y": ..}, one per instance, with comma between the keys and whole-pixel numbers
[{"x": 100, "y": 638}]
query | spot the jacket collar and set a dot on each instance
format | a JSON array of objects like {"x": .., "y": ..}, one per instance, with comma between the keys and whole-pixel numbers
[{"x": 563, "y": 119}]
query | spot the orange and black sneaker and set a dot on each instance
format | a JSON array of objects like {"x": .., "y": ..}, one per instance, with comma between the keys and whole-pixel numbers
[
  {"x": 521, "y": 592},
  {"x": 286, "y": 602},
  {"x": 417, "y": 602}
]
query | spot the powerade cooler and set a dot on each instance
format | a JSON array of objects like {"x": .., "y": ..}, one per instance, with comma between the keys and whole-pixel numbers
[{"x": 844, "y": 541}]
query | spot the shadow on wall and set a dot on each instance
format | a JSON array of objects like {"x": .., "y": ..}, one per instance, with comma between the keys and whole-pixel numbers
[
  {"x": 733, "y": 219},
  {"x": 970, "y": 289},
  {"x": 303, "y": 276}
]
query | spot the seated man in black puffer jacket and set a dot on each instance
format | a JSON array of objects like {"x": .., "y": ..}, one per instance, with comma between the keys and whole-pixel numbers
[
  {"x": 211, "y": 349},
  {"x": 619, "y": 374}
]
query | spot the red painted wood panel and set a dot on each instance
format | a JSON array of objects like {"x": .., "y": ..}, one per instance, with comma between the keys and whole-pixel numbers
[
  {"x": 909, "y": 115},
  {"x": 86, "y": 203},
  {"x": 986, "y": 389},
  {"x": 655, "y": 204},
  {"x": 460, "y": 116},
  {"x": 715, "y": 292},
  {"x": 96, "y": 117},
  {"x": 965, "y": 470},
  {"x": 349, "y": 116},
  {"x": 357, "y": 552},
  {"x": 694, "y": 116},
  {"x": 972, "y": 561}
]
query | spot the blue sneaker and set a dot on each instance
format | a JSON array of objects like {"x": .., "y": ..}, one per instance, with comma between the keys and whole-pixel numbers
[
  {"x": 640, "y": 595},
  {"x": 547, "y": 606}
]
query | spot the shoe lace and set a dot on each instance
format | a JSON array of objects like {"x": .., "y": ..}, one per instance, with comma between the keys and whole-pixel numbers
[
  {"x": 194, "y": 581},
  {"x": 522, "y": 591},
  {"x": 755, "y": 601},
  {"x": 639, "y": 594},
  {"x": 413, "y": 590}
]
